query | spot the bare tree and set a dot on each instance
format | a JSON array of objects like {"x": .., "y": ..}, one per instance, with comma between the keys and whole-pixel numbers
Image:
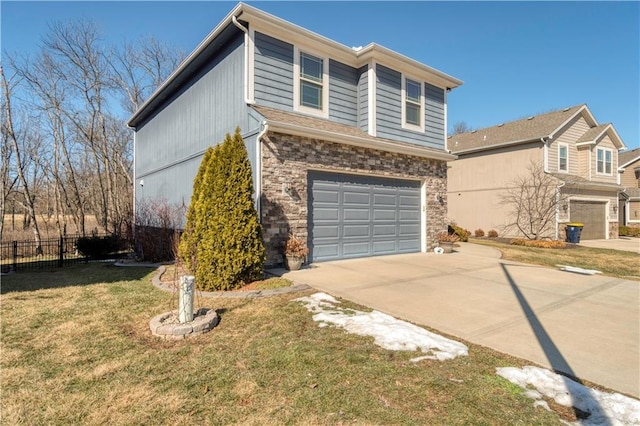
[
  {"x": 533, "y": 199},
  {"x": 9, "y": 133},
  {"x": 460, "y": 127}
]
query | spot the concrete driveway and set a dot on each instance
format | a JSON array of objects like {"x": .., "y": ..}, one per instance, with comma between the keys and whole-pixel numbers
[
  {"x": 586, "y": 326},
  {"x": 622, "y": 243}
]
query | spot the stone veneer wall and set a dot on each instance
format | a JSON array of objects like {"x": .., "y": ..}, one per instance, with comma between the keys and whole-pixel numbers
[{"x": 286, "y": 159}]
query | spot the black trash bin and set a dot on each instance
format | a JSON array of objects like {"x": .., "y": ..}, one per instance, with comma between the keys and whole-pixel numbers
[{"x": 573, "y": 232}]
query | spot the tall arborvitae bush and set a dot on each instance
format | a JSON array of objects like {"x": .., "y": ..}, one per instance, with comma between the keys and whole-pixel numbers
[
  {"x": 223, "y": 243},
  {"x": 189, "y": 238}
]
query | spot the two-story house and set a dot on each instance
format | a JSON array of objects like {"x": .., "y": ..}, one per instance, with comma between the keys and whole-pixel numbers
[
  {"x": 629, "y": 170},
  {"x": 347, "y": 145},
  {"x": 568, "y": 144}
]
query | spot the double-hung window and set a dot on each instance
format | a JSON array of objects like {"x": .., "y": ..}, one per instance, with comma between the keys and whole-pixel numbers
[
  {"x": 311, "y": 82},
  {"x": 412, "y": 105},
  {"x": 603, "y": 161},
  {"x": 563, "y": 157}
]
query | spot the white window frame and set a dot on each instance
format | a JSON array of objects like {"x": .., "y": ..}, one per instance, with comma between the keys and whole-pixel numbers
[
  {"x": 404, "y": 100},
  {"x": 297, "y": 80},
  {"x": 604, "y": 161},
  {"x": 566, "y": 147}
]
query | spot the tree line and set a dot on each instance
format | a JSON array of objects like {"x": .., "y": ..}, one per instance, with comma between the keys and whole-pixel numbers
[{"x": 66, "y": 151}]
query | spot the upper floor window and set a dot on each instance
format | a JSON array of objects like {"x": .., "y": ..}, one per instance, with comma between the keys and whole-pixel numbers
[
  {"x": 311, "y": 81},
  {"x": 413, "y": 99},
  {"x": 603, "y": 161},
  {"x": 563, "y": 157}
]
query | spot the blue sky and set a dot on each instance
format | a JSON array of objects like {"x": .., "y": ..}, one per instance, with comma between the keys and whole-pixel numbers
[{"x": 516, "y": 58}]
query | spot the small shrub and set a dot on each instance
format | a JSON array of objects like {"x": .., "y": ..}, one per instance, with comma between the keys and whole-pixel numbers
[
  {"x": 462, "y": 233},
  {"x": 445, "y": 237},
  {"x": 478, "y": 233},
  {"x": 493, "y": 234},
  {"x": 98, "y": 247},
  {"x": 627, "y": 231},
  {"x": 296, "y": 247},
  {"x": 538, "y": 243}
]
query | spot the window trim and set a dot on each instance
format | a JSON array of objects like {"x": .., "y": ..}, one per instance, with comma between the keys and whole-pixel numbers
[
  {"x": 566, "y": 146},
  {"x": 605, "y": 151},
  {"x": 404, "y": 100},
  {"x": 297, "y": 81}
]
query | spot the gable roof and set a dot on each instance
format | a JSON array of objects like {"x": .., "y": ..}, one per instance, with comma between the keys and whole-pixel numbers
[
  {"x": 294, "y": 34},
  {"x": 530, "y": 129},
  {"x": 627, "y": 157},
  {"x": 319, "y": 128}
]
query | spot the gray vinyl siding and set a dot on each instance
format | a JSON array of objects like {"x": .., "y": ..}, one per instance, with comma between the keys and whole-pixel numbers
[
  {"x": 343, "y": 93},
  {"x": 169, "y": 147},
  {"x": 363, "y": 98},
  {"x": 389, "y": 111},
  {"x": 273, "y": 66},
  {"x": 434, "y": 115}
]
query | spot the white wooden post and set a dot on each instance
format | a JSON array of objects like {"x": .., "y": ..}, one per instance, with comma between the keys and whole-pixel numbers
[{"x": 185, "y": 299}]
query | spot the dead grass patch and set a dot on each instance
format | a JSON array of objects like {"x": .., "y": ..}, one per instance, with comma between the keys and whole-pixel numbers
[
  {"x": 267, "y": 362},
  {"x": 616, "y": 263}
]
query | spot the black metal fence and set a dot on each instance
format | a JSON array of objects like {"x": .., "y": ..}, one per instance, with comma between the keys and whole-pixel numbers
[{"x": 54, "y": 252}]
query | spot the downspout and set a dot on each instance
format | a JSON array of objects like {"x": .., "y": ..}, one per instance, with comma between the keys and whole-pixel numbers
[
  {"x": 265, "y": 129},
  {"x": 558, "y": 209},
  {"x": 247, "y": 98},
  {"x": 545, "y": 159}
]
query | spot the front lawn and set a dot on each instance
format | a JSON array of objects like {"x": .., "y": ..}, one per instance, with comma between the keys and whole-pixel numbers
[
  {"x": 76, "y": 349},
  {"x": 617, "y": 263}
]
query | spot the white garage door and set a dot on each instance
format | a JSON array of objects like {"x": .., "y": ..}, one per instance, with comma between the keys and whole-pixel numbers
[{"x": 358, "y": 216}]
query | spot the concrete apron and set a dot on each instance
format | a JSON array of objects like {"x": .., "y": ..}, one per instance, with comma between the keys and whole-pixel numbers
[{"x": 586, "y": 326}]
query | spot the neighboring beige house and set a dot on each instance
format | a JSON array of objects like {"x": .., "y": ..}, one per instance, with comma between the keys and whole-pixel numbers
[
  {"x": 629, "y": 170},
  {"x": 569, "y": 144}
]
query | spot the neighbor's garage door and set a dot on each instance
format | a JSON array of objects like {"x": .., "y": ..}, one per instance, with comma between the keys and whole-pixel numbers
[
  {"x": 593, "y": 216},
  {"x": 358, "y": 216}
]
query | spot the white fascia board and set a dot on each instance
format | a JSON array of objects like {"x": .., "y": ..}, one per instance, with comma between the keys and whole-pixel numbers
[
  {"x": 417, "y": 151},
  {"x": 298, "y": 36},
  {"x": 406, "y": 65}
]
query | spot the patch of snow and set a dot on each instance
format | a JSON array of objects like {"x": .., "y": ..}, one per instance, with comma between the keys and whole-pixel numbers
[
  {"x": 605, "y": 408},
  {"x": 577, "y": 270},
  {"x": 388, "y": 332}
]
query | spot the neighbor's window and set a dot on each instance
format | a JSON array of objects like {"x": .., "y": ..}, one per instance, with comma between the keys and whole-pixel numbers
[
  {"x": 603, "y": 161},
  {"x": 563, "y": 162},
  {"x": 413, "y": 102},
  {"x": 311, "y": 81}
]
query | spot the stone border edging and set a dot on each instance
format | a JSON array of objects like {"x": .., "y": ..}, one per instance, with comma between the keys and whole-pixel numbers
[
  {"x": 204, "y": 321},
  {"x": 250, "y": 294}
]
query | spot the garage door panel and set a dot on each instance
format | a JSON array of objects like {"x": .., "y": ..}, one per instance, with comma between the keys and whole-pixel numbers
[
  {"x": 408, "y": 246},
  {"x": 384, "y": 230},
  {"x": 356, "y": 216},
  {"x": 326, "y": 231},
  {"x": 384, "y": 200},
  {"x": 409, "y": 201},
  {"x": 359, "y": 231},
  {"x": 383, "y": 215},
  {"x": 384, "y": 247},
  {"x": 355, "y": 249}
]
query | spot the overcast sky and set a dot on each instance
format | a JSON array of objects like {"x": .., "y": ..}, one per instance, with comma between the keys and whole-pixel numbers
[{"x": 516, "y": 58}]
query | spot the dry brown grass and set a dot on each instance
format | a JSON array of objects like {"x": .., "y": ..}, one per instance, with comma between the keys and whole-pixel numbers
[
  {"x": 76, "y": 349},
  {"x": 13, "y": 230}
]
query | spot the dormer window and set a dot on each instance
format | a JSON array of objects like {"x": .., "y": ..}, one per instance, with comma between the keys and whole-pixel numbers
[
  {"x": 413, "y": 100},
  {"x": 603, "y": 161},
  {"x": 563, "y": 157},
  {"x": 311, "y": 86}
]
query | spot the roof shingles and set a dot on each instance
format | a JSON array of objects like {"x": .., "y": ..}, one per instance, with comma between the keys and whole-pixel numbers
[{"x": 527, "y": 129}]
